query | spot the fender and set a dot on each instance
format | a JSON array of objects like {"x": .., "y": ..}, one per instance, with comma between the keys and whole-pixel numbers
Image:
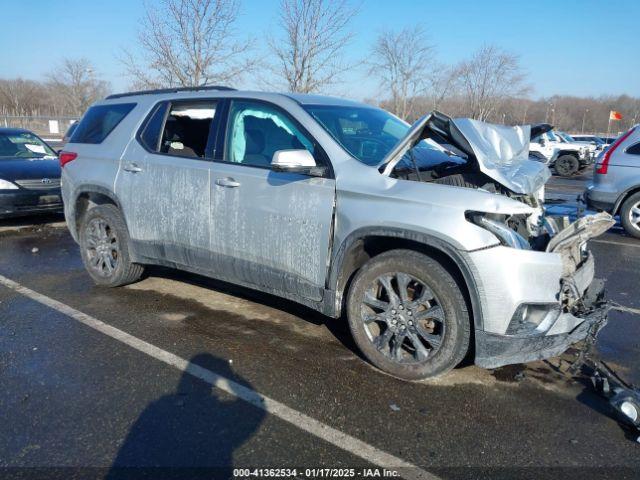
[
  {"x": 623, "y": 196},
  {"x": 88, "y": 188},
  {"x": 456, "y": 256}
]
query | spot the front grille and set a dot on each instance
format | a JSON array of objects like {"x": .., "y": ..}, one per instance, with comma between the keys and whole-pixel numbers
[{"x": 39, "y": 183}]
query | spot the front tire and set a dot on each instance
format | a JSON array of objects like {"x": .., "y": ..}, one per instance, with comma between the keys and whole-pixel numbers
[
  {"x": 567, "y": 165},
  {"x": 104, "y": 246},
  {"x": 408, "y": 316},
  {"x": 630, "y": 215}
]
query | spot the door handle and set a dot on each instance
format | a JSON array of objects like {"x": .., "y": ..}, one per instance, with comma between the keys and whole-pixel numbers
[
  {"x": 227, "y": 182},
  {"x": 132, "y": 167}
]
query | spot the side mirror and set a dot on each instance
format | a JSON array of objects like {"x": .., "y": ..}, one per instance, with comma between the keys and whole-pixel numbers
[
  {"x": 542, "y": 141},
  {"x": 295, "y": 161}
]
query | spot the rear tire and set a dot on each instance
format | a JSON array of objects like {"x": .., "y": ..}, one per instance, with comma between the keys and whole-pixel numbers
[
  {"x": 630, "y": 215},
  {"x": 104, "y": 246},
  {"x": 419, "y": 330},
  {"x": 567, "y": 165}
]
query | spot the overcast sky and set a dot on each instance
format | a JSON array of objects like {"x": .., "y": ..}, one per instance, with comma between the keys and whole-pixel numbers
[{"x": 572, "y": 47}]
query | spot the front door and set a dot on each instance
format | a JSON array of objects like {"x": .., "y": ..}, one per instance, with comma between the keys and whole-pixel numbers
[{"x": 273, "y": 228}]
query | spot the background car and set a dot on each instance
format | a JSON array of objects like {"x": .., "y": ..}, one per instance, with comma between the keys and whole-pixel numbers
[
  {"x": 564, "y": 137},
  {"x": 616, "y": 181},
  {"x": 29, "y": 174},
  {"x": 566, "y": 158},
  {"x": 593, "y": 139}
]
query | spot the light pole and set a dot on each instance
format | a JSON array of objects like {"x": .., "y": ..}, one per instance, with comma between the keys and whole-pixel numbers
[
  {"x": 583, "y": 117},
  {"x": 553, "y": 113}
]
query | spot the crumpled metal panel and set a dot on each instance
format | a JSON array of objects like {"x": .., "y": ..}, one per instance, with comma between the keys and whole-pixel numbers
[{"x": 503, "y": 154}]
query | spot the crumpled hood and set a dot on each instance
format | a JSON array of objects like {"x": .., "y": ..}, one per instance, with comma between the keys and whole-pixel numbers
[
  {"x": 502, "y": 153},
  {"x": 498, "y": 151}
]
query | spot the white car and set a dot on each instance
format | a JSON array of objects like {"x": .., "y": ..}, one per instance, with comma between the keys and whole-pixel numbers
[
  {"x": 566, "y": 138},
  {"x": 566, "y": 158}
]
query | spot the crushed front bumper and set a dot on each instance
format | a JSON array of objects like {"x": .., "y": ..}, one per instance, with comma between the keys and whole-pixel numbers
[
  {"x": 537, "y": 303},
  {"x": 494, "y": 350}
]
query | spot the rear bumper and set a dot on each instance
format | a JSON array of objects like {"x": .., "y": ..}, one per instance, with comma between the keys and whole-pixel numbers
[
  {"x": 25, "y": 202},
  {"x": 600, "y": 201},
  {"x": 493, "y": 351}
]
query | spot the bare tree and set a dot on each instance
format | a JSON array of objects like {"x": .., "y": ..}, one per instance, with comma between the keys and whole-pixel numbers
[
  {"x": 19, "y": 96},
  {"x": 310, "y": 54},
  {"x": 403, "y": 61},
  {"x": 75, "y": 84},
  {"x": 488, "y": 79},
  {"x": 188, "y": 43}
]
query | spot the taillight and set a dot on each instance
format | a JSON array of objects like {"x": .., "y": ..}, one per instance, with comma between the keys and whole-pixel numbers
[
  {"x": 66, "y": 157},
  {"x": 604, "y": 166}
]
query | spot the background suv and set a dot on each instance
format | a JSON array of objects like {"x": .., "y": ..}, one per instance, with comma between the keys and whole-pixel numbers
[
  {"x": 566, "y": 158},
  {"x": 615, "y": 187},
  {"x": 427, "y": 236}
]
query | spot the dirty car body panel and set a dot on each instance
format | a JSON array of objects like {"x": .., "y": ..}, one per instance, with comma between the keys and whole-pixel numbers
[{"x": 300, "y": 236}]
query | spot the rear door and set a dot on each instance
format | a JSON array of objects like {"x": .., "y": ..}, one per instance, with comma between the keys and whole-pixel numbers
[
  {"x": 164, "y": 182},
  {"x": 271, "y": 228}
]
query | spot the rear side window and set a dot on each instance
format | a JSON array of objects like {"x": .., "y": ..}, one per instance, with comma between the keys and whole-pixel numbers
[
  {"x": 99, "y": 121},
  {"x": 634, "y": 149},
  {"x": 187, "y": 128}
]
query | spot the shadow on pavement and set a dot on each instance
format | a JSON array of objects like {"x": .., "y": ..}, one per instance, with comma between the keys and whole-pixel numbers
[
  {"x": 338, "y": 327},
  {"x": 189, "y": 433}
]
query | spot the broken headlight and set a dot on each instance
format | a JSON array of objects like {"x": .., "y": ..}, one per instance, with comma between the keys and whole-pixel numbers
[{"x": 494, "y": 224}]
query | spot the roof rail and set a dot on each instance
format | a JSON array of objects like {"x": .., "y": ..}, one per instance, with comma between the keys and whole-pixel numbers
[{"x": 170, "y": 90}]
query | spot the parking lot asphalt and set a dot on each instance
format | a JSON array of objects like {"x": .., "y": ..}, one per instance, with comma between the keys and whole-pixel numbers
[{"x": 99, "y": 379}]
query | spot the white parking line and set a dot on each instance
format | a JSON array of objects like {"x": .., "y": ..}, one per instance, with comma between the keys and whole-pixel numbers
[
  {"x": 612, "y": 242},
  {"x": 314, "y": 427}
]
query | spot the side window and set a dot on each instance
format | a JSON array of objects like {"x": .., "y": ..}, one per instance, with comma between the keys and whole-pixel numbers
[
  {"x": 256, "y": 131},
  {"x": 634, "y": 149},
  {"x": 186, "y": 130},
  {"x": 152, "y": 129}
]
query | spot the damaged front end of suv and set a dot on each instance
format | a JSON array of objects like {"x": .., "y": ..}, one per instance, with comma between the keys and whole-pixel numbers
[{"x": 536, "y": 281}]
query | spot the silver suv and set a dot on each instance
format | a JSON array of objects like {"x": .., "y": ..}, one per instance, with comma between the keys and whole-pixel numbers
[
  {"x": 430, "y": 239},
  {"x": 616, "y": 181}
]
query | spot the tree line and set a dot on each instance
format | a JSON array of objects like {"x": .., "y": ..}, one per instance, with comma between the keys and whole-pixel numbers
[{"x": 186, "y": 43}]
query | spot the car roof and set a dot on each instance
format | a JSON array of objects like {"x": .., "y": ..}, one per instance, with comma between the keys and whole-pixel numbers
[
  {"x": 11, "y": 130},
  {"x": 225, "y": 92},
  {"x": 312, "y": 99}
]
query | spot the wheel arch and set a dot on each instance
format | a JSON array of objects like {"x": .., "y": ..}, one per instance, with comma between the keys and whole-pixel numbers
[
  {"x": 573, "y": 153},
  {"x": 623, "y": 198},
  {"x": 366, "y": 243},
  {"x": 88, "y": 196}
]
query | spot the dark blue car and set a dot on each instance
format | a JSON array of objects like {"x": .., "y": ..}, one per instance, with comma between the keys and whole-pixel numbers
[{"x": 29, "y": 174}]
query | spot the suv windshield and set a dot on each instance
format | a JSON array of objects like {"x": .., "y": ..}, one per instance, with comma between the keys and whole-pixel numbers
[
  {"x": 23, "y": 145},
  {"x": 367, "y": 133}
]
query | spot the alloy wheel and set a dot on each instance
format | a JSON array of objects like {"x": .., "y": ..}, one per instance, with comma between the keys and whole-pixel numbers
[
  {"x": 403, "y": 318},
  {"x": 103, "y": 250},
  {"x": 634, "y": 215}
]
